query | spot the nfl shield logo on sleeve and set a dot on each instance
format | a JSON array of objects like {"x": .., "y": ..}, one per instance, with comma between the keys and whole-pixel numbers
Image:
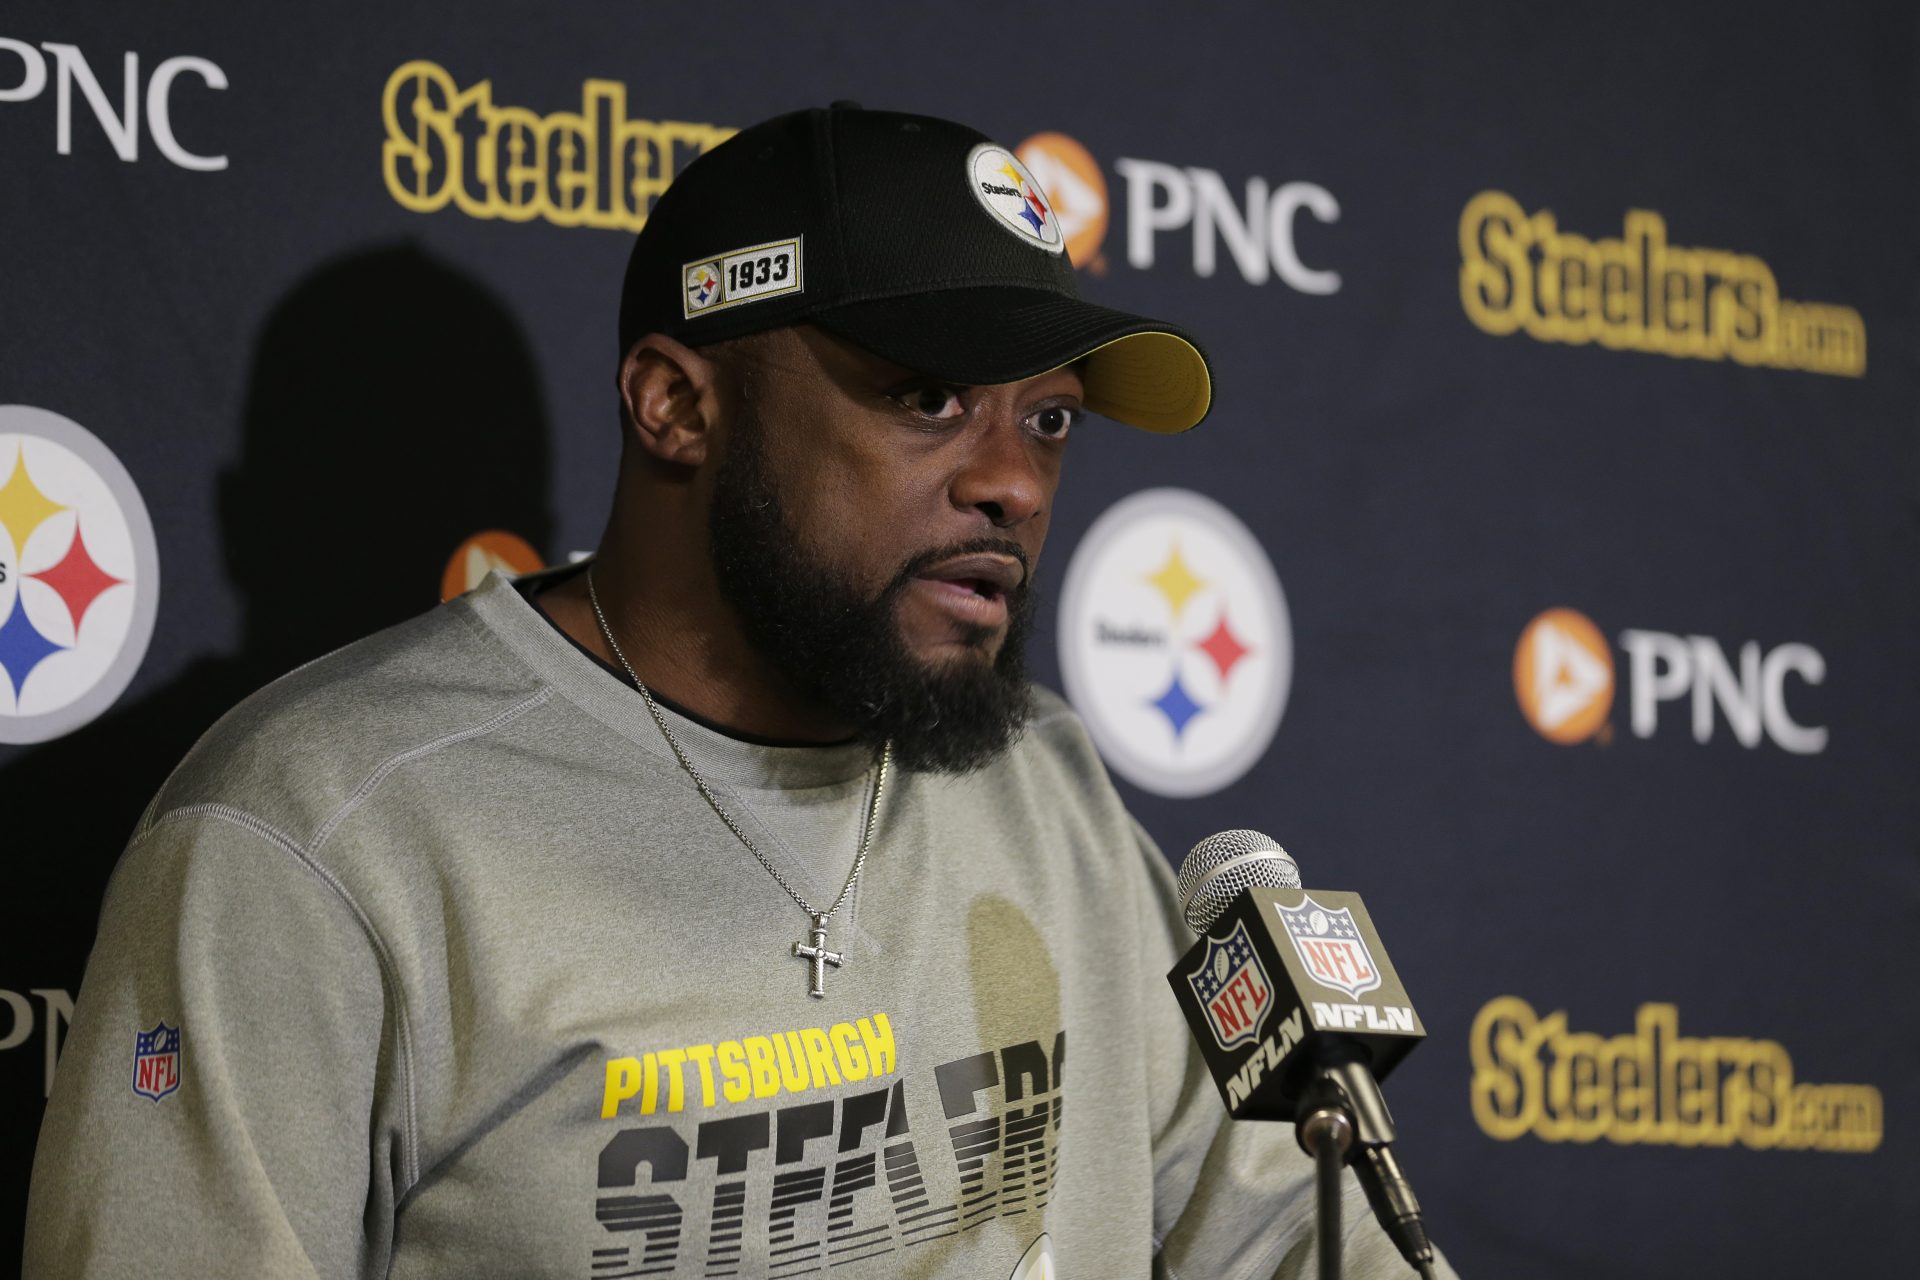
[
  {"x": 1231, "y": 985},
  {"x": 156, "y": 1061},
  {"x": 1330, "y": 945}
]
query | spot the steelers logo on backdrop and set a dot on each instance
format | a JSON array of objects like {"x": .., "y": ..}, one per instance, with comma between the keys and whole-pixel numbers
[
  {"x": 483, "y": 553},
  {"x": 1563, "y": 676},
  {"x": 79, "y": 576},
  {"x": 1005, "y": 189},
  {"x": 1072, "y": 177},
  {"x": 1175, "y": 642}
]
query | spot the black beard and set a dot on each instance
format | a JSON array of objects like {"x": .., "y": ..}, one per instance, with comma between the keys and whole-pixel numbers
[{"x": 842, "y": 648}]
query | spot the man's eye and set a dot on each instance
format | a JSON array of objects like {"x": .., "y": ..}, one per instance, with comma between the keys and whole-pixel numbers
[
  {"x": 933, "y": 400},
  {"x": 1054, "y": 422}
]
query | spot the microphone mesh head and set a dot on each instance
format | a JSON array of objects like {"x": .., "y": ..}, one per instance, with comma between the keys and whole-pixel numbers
[{"x": 1219, "y": 867}]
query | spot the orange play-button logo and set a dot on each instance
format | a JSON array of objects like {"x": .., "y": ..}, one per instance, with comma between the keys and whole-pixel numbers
[
  {"x": 1072, "y": 180},
  {"x": 481, "y": 554},
  {"x": 1563, "y": 676}
]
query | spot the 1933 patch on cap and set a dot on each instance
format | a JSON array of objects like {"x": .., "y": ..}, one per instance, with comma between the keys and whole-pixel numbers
[
  {"x": 769, "y": 270},
  {"x": 1005, "y": 188}
]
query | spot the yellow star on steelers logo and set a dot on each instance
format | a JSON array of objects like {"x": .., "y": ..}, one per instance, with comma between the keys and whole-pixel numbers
[
  {"x": 1014, "y": 179},
  {"x": 22, "y": 506},
  {"x": 1176, "y": 581}
]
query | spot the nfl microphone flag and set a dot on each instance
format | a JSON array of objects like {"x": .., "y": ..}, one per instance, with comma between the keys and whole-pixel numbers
[{"x": 1280, "y": 971}]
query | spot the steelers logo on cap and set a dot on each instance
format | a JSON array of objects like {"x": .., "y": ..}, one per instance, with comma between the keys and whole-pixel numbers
[
  {"x": 1005, "y": 188},
  {"x": 703, "y": 286}
]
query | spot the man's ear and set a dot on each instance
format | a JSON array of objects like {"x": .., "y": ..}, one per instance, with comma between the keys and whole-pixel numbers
[{"x": 671, "y": 396}]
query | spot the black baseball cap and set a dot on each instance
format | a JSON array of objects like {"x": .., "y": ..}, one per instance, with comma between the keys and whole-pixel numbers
[{"x": 917, "y": 239}]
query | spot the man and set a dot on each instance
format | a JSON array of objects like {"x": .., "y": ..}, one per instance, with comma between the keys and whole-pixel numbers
[{"x": 729, "y": 905}]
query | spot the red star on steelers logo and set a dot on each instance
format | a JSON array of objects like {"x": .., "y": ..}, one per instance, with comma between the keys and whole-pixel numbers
[
  {"x": 1223, "y": 647},
  {"x": 77, "y": 579}
]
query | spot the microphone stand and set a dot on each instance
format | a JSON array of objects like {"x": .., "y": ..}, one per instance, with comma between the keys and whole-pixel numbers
[
  {"x": 1325, "y": 1130},
  {"x": 1342, "y": 1115}
]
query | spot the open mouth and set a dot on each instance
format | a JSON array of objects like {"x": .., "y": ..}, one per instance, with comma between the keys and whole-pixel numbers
[
  {"x": 972, "y": 600},
  {"x": 980, "y": 587},
  {"x": 985, "y": 576},
  {"x": 968, "y": 591},
  {"x": 973, "y": 591}
]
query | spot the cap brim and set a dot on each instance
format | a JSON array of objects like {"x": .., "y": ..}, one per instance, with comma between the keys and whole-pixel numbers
[{"x": 1139, "y": 371}]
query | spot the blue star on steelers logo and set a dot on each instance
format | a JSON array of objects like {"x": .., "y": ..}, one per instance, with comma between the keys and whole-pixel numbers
[
  {"x": 22, "y": 647},
  {"x": 1177, "y": 706}
]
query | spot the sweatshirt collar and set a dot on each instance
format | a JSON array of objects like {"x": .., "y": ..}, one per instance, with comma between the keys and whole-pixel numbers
[{"x": 497, "y": 606}]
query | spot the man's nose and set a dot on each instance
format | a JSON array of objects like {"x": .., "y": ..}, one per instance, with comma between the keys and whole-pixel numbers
[{"x": 1002, "y": 476}]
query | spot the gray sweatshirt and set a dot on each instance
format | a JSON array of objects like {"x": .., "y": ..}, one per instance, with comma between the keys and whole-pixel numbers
[{"x": 430, "y": 961}]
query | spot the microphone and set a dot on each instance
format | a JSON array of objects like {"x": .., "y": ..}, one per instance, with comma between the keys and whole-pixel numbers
[
  {"x": 1299, "y": 1014},
  {"x": 1219, "y": 867}
]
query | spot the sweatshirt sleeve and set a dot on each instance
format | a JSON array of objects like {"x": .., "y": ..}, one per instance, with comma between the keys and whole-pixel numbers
[
  {"x": 260, "y": 1148},
  {"x": 1233, "y": 1200}
]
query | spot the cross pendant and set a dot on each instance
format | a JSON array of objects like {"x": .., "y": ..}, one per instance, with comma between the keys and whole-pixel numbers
[{"x": 818, "y": 957}]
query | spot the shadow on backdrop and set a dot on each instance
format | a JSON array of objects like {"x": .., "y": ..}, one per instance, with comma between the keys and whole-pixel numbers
[{"x": 393, "y": 410}]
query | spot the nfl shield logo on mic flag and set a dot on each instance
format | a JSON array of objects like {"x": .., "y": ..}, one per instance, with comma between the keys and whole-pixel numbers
[
  {"x": 1231, "y": 985},
  {"x": 1330, "y": 945},
  {"x": 156, "y": 1061}
]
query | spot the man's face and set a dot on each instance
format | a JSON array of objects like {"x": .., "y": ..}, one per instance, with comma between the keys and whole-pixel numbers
[{"x": 876, "y": 533}]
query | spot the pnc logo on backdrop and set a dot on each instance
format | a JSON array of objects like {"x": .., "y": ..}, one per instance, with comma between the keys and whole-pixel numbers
[
  {"x": 1259, "y": 230},
  {"x": 489, "y": 551},
  {"x": 24, "y": 1027},
  {"x": 1564, "y": 678},
  {"x": 72, "y": 75}
]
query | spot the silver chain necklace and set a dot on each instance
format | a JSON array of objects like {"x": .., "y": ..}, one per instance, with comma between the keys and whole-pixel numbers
[{"x": 815, "y": 952}]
